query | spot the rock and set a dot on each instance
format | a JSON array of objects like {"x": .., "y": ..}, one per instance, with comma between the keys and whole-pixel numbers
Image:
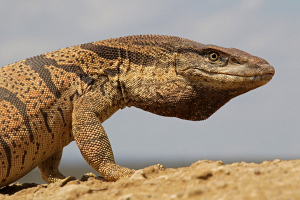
[{"x": 138, "y": 175}]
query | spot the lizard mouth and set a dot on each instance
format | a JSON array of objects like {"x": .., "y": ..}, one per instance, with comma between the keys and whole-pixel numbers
[
  {"x": 233, "y": 74},
  {"x": 264, "y": 71}
]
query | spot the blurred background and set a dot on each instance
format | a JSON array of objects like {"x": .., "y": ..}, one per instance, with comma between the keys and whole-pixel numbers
[{"x": 260, "y": 125}]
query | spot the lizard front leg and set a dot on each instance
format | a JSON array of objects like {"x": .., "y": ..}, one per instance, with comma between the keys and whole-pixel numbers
[{"x": 91, "y": 137}]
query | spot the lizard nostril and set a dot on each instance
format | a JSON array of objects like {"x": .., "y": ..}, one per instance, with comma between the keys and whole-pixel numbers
[{"x": 268, "y": 69}]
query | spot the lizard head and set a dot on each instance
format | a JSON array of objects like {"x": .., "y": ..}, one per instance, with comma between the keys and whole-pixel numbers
[
  {"x": 221, "y": 68},
  {"x": 218, "y": 74},
  {"x": 190, "y": 80}
]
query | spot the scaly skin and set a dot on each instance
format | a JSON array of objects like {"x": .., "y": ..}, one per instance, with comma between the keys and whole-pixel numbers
[{"x": 49, "y": 100}]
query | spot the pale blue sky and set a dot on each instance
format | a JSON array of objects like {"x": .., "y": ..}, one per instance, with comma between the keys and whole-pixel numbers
[{"x": 262, "y": 124}]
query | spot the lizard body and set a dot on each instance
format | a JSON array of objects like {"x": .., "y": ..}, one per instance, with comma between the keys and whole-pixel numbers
[{"x": 49, "y": 100}]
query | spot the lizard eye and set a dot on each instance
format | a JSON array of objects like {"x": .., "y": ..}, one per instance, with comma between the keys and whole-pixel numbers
[{"x": 213, "y": 56}]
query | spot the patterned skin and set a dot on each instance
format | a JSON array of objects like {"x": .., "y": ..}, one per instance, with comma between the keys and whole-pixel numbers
[{"x": 49, "y": 100}]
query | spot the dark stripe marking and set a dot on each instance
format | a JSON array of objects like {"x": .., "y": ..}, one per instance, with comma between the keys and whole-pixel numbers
[
  {"x": 37, "y": 148},
  {"x": 190, "y": 50},
  {"x": 111, "y": 72},
  {"x": 73, "y": 69},
  {"x": 113, "y": 53},
  {"x": 37, "y": 63},
  {"x": 102, "y": 88},
  {"x": 8, "y": 156},
  {"x": 62, "y": 115},
  {"x": 23, "y": 157},
  {"x": 45, "y": 116},
  {"x": 8, "y": 96},
  {"x": 165, "y": 45},
  {"x": 171, "y": 48},
  {"x": 73, "y": 95}
]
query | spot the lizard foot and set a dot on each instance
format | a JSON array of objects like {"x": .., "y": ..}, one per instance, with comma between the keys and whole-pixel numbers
[
  {"x": 66, "y": 180},
  {"x": 61, "y": 182},
  {"x": 147, "y": 171},
  {"x": 88, "y": 176},
  {"x": 113, "y": 172},
  {"x": 153, "y": 169}
]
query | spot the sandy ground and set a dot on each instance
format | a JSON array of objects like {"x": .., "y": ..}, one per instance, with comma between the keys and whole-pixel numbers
[{"x": 202, "y": 180}]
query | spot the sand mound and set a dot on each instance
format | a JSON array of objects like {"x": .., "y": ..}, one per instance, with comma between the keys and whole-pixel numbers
[{"x": 202, "y": 180}]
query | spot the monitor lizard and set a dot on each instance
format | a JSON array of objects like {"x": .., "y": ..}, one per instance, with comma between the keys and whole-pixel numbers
[{"x": 49, "y": 100}]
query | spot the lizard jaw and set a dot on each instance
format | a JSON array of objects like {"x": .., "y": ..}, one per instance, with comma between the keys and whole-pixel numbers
[{"x": 259, "y": 72}]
